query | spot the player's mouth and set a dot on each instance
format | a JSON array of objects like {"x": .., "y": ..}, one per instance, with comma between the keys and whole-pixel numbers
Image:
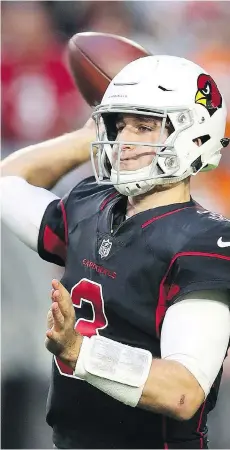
[
  {"x": 133, "y": 160},
  {"x": 136, "y": 155},
  {"x": 129, "y": 165},
  {"x": 133, "y": 157}
]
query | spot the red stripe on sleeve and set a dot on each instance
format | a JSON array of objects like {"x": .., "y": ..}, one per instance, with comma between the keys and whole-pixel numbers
[{"x": 53, "y": 244}]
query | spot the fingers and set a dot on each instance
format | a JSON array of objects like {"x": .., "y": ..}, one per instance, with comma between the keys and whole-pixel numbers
[
  {"x": 58, "y": 319},
  {"x": 50, "y": 320},
  {"x": 55, "y": 319},
  {"x": 61, "y": 338},
  {"x": 51, "y": 294},
  {"x": 55, "y": 323},
  {"x": 54, "y": 316},
  {"x": 60, "y": 295}
]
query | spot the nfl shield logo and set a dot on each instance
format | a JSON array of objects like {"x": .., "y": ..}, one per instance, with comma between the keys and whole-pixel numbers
[{"x": 105, "y": 248}]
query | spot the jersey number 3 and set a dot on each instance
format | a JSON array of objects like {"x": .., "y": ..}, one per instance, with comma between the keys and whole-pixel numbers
[{"x": 89, "y": 292}]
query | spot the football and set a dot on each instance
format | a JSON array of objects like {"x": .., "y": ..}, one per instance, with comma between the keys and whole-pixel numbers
[{"x": 95, "y": 58}]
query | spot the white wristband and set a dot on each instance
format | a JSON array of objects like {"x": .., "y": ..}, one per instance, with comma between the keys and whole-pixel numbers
[{"x": 117, "y": 369}]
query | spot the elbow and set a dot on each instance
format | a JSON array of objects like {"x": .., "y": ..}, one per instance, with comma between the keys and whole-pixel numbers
[
  {"x": 185, "y": 412},
  {"x": 13, "y": 170}
]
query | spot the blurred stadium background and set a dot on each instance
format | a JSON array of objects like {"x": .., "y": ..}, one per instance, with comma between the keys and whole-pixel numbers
[{"x": 39, "y": 101}]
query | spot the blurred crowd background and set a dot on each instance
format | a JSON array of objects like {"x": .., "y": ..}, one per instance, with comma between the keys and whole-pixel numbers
[{"x": 40, "y": 101}]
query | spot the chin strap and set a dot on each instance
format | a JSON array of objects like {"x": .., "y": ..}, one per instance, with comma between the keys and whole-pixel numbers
[{"x": 133, "y": 189}]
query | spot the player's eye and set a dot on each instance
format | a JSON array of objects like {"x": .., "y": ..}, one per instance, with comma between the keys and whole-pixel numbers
[
  {"x": 144, "y": 129},
  {"x": 120, "y": 127}
]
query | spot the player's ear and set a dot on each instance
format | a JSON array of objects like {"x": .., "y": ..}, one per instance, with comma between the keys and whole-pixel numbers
[{"x": 198, "y": 142}]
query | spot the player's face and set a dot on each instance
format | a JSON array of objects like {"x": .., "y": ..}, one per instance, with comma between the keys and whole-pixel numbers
[{"x": 131, "y": 128}]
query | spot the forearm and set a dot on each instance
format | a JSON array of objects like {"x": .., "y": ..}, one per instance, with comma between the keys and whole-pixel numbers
[
  {"x": 45, "y": 163},
  {"x": 162, "y": 386},
  {"x": 172, "y": 390}
]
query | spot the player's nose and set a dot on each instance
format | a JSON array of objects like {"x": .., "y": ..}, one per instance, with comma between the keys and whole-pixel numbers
[
  {"x": 126, "y": 146},
  {"x": 125, "y": 150},
  {"x": 125, "y": 138}
]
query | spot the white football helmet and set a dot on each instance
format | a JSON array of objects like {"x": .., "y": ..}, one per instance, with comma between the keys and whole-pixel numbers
[{"x": 182, "y": 94}]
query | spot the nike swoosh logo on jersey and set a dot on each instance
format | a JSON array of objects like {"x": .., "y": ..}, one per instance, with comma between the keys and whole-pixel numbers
[{"x": 222, "y": 244}]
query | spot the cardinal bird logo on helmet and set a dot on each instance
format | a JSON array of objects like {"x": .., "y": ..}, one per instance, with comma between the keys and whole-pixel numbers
[{"x": 208, "y": 93}]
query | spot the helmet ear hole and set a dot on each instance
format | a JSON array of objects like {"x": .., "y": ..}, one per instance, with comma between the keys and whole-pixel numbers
[
  {"x": 202, "y": 139},
  {"x": 197, "y": 164}
]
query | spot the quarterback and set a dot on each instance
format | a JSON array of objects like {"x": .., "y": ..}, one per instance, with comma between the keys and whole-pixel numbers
[{"x": 139, "y": 325}]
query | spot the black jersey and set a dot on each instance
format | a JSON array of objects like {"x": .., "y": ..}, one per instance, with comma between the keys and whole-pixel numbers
[{"x": 123, "y": 275}]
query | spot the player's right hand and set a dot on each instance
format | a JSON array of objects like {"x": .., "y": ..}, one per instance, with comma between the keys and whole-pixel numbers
[{"x": 90, "y": 126}]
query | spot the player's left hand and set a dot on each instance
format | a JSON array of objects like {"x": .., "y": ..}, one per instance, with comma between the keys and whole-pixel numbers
[{"x": 61, "y": 338}]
